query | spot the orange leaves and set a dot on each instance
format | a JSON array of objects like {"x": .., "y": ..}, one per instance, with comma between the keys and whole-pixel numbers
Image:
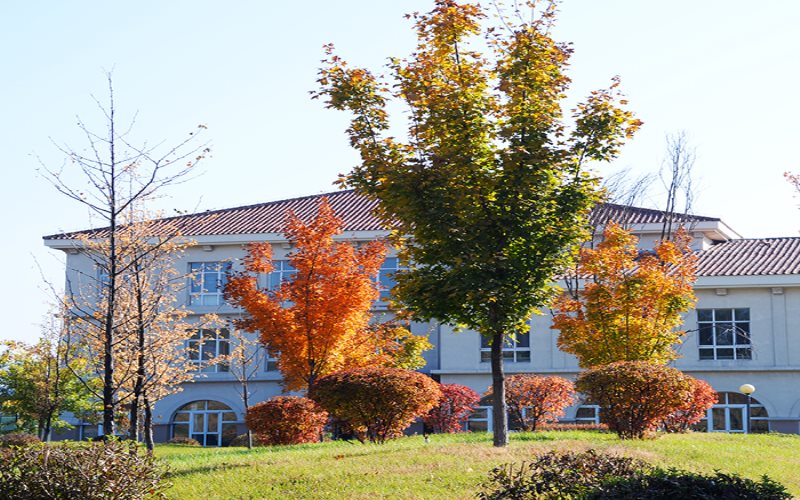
[
  {"x": 317, "y": 322},
  {"x": 630, "y": 307}
]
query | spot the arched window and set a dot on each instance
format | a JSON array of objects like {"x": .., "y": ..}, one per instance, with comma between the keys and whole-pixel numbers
[
  {"x": 730, "y": 415},
  {"x": 209, "y": 422}
]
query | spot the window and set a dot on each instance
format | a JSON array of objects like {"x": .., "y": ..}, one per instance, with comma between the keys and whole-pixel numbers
[
  {"x": 209, "y": 422},
  {"x": 481, "y": 418},
  {"x": 730, "y": 415},
  {"x": 386, "y": 280},
  {"x": 724, "y": 333},
  {"x": 208, "y": 282},
  {"x": 270, "y": 362},
  {"x": 205, "y": 345},
  {"x": 587, "y": 414},
  {"x": 283, "y": 271},
  {"x": 518, "y": 351}
]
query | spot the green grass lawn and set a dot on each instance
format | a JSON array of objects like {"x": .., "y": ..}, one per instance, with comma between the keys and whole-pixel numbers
[{"x": 450, "y": 466}]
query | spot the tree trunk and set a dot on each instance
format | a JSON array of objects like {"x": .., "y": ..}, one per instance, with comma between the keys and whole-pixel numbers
[
  {"x": 246, "y": 401},
  {"x": 148, "y": 426},
  {"x": 499, "y": 410}
]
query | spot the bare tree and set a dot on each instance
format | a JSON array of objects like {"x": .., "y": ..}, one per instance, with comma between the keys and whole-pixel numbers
[
  {"x": 118, "y": 176},
  {"x": 246, "y": 358},
  {"x": 676, "y": 176}
]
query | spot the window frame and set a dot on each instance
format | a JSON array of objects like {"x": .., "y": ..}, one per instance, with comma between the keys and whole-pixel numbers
[
  {"x": 198, "y": 345},
  {"x": 217, "y": 270},
  {"x": 738, "y": 330},
  {"x": 222, "y": 415},
  {"x": 282, "y": 271},
  {"x": 513, "y": 352}
]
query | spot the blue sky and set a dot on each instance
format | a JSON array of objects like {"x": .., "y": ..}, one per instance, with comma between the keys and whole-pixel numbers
[{"x": 726, "y": 72}]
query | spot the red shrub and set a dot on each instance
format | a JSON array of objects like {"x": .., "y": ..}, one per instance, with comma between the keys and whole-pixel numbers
[
  {"x": 532, "y": 399},
  {"x": 635, "y": 396},
  {"x": 377, "y": 403},
  {"x": 693, "y": 409},
  {"x": 286, "y": 420},
  {"x": 454, "y": 408}
]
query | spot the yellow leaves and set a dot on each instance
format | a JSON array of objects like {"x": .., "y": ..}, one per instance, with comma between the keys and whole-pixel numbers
[{"x": 630, "y": 308}]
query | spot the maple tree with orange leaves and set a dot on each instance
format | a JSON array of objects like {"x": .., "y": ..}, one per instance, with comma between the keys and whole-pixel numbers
[
  {"x": 316, "y": 323},
  {"x": 630, "y": 308}
]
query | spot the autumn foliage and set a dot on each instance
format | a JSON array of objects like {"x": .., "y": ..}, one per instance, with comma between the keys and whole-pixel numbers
[
  {"x": 377, "y": 403},
  {"x": 630, "y": 307},
  {"x": 635, "y": 396},
  {"x": 317, "y": 322},
  {"x": 286, "y": 420},
  {"x": 454, "y": 408},
  {"x": 533, "y": 399},
  {"x": 693, "y": 409}
]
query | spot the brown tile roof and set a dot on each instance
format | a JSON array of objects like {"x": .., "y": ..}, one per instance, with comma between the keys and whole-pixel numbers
[
  {"x": 636, "y": 215},
  {"x": 743, "y": 257},
  {"x": 356, "y": 210},
  {"x": 269, "y": 217},
  {"x": 751, "y": 257}
]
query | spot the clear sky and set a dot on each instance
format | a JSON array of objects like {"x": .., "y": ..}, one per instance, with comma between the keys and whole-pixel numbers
[{"x": 726, "y": 72}]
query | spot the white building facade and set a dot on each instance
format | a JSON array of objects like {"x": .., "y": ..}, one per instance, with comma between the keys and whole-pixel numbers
[{"x": 745, "y": 328}]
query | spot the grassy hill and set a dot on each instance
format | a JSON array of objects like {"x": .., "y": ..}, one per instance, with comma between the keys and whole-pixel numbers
[{"x": 449, "y": 466}]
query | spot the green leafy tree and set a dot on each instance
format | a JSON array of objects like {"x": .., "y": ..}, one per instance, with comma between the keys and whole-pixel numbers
[
  {"x": 489, "y": 195},
  {"x": 36, "y": 385}
]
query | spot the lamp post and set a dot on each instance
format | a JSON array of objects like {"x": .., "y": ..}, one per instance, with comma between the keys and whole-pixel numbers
[{"x": 748, "y": 390}]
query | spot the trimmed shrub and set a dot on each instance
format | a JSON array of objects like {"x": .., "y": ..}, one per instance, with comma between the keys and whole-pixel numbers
[
  {"x": 533, "y": 399},
  {"x": 377, "y": 403},
  {"x": 693, "y": 409},
  {"x": 635, "y": 396},
  {"x": 556, "y": 475},
  {"x": 286, "y": 420},
  {"x": 186, "y": 441},
  {"x": 100, "y": 470},
  {"x": 18, "y": 439},
  {"x": 678, "y": 484},
  {"x": 454, "y": 408}
]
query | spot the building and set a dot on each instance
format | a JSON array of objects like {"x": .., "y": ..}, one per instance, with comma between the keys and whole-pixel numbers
[{"x": 746, "y": 328}]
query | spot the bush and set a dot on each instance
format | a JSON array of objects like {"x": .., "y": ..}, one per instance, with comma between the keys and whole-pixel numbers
[
  {"x": 533, "y": 399},
  {"x": 377, "y": 403},
  {"x": 558, "y": 475},
  {"x": 286, "y": 420},
  {"x": 100, "y": 470},
  {"x": 18, "y": 439},
  {"x": 186, "y": 441},
  {"x": 454, "y": 408},
  {"x": 693, "y": 409},
  {"x": 635, "y": 396},
  {"x": 678, "y": 484}
]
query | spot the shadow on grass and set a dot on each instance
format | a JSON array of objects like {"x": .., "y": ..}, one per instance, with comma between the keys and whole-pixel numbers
[
  {"x": 531, "y": 436},
  {"x": 204, "y": 469}
]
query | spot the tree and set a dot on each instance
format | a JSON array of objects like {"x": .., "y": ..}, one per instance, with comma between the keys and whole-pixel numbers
[
  {"x": 693, "y": 409},
  {"x": 244, "y": 361},
  {"x": 630, "y": 306},
  {"x": 635, "y": 396},
  {"x": 117, "y": 175},
  {"x": 36, "y": 385},
  {"x": 454, "y": 408},
  {"x": 377, "y": 403},
  {"x": 317, "y": 322},
  {"x": 151, "y": 328},
  {"x": 489, "y": 195},
  {"x": 533, "y": 399}
]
